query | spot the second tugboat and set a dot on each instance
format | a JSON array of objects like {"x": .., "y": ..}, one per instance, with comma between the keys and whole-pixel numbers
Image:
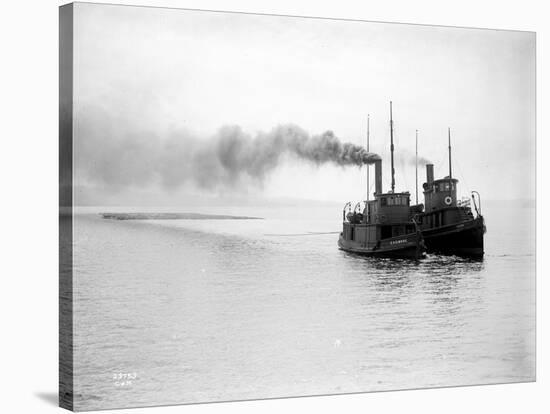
[
  {"x": 449, "y": 225},
  {"x": 385, "y": 227}
]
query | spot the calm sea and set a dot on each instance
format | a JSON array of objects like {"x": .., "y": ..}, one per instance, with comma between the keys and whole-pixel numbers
[{"x": 182, "y": 311}]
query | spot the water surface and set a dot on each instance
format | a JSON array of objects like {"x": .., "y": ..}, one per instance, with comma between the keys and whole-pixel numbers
[{"x": 181, "y": 311}]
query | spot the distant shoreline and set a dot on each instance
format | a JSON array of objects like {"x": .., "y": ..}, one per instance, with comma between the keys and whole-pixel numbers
[{"x": 173, "y": 216}]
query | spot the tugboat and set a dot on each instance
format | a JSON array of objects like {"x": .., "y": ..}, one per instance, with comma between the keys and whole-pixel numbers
[
  {"x": 448, "y": 225},
  {"x": 385, "y": 228}
]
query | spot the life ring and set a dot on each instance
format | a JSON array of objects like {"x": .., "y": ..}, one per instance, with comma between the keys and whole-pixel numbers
[
  {"x": 381, "y": 218},
  {"x": 448, "y": 200}
]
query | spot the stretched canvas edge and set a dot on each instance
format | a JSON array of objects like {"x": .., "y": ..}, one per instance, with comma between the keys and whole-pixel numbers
[{"x": 66, "y": 366}]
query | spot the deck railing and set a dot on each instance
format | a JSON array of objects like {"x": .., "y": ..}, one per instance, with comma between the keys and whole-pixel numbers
[{"x": 464, "y": 202}]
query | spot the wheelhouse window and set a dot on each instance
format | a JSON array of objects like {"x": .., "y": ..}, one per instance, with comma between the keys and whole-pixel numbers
[
  {"x": 445, "y": 187},
  {"x": 395, "y": 200},
  {"x": 398, "y": 200}
]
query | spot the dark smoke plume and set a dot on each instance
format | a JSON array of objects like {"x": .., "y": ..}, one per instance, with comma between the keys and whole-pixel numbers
[
  {"x": 115, "y": 159},
  {"x": 240, "y": 153}
]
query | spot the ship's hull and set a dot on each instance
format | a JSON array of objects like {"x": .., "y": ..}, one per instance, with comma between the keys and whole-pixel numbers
[
  {"x": 406, "y": 247},
  {"x": 462, "y": 239}
]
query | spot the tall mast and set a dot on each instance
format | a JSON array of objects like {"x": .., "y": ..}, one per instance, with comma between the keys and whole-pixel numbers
[
  {"x": 368, "y": 150},
  {"x": 450, "y": 168},
  {"x": 391, "y": 149},
  {"x": 416, "y": 167}
]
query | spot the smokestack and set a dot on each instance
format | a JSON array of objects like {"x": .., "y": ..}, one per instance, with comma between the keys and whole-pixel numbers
[
  {"x": 378, "y": 177},
  {"x": 429, "y": 173}
]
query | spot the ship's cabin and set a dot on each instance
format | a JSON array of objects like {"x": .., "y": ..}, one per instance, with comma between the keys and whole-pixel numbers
[
  {"x": 441, "y": 204},
  {"x": 440, "y": 194},
  {"x": 387, "y": 208},
  {"x": 384, "y": 217}
]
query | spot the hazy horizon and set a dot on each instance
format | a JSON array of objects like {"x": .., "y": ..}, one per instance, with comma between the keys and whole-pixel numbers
[{"x": 151, "y": 84}]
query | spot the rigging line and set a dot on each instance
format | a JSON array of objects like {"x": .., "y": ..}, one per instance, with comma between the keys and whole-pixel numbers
[
  {"x": 368, "y": 150},
  {"x": 301, "y": 234},
  {"x": 439, "y": 165},
  {"x": 462, "y": 175},
  {"x": 403, "y": 177}
]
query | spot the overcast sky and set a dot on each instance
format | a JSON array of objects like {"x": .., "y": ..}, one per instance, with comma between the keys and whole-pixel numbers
[{"x": 147, "y": 78}]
